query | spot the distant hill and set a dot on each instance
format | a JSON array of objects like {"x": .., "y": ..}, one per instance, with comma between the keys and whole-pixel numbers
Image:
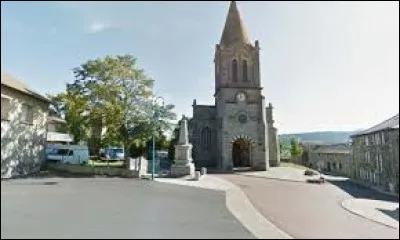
[{"x": 323, "y": 137}]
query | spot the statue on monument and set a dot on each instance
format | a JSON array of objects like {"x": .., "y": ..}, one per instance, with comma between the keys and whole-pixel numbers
[{"x": 183, "y": 164}]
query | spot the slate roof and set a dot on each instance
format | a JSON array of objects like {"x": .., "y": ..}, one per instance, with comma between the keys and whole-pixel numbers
[
  {"x": 12, "y": 82},
  {"x": 391, "y": 123},
  {"x": 334, "y": 149},
  {"x": 234, "y": 30}
]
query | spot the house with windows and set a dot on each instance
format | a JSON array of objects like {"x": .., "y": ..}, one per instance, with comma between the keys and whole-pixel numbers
[
  {"x": 330, "y": 158},
  {"x": 23, "y": 128},
  {"x": 375, "y": 155}
]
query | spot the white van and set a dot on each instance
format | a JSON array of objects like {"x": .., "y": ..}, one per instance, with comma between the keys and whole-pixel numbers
[
  {"x": 51, "y": 148},
  {"x": 69, "y": 154}
]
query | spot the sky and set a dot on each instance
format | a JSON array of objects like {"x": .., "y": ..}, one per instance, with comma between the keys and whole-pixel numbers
[{"x": 324, "y": 65}]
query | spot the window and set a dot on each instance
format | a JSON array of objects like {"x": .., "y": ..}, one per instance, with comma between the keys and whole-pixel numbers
[
  {"x": 366, "y": 140},
  {"x": 245, "y": 77},
  {"x": 383, "y": 137},
  {"x": 5, "y": 108},
  {"x": 377, "y": 139},
  {"x": 234, "y": 70},
  {"x": 367, "y": 157},
  {"x": 340, "y": 166},
  {"x": 242, "y": 119},
  {"x": 206, "y": 138},
  {"x": 63, "y": 152},
  {"x": 27, "y": 114}
]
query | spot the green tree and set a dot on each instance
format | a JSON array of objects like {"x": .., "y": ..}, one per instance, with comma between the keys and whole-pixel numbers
[
  {"x": 116, "y": 90},
  {"x": 142, "y": 141},
  {"x": 115, "y": 94},
  {"x": 295, "y": 148},
  {"x": 72, "y": 107}
]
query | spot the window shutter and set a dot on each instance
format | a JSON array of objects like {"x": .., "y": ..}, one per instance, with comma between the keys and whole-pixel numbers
[
  {"x": 30, "y": 115},
  {"x": 5, "y": 108}
]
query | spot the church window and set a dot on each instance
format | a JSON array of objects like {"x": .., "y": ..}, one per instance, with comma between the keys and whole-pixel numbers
[
  {"x": 206, "y": 138},
  {"x": 245, "y": 71},
  {"x": 242, "y": 119},
  {"x": 234, "y": 70}
]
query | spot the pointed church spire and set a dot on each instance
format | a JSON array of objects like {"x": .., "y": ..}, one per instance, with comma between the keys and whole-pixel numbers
[{"x": 234, "y": 30}]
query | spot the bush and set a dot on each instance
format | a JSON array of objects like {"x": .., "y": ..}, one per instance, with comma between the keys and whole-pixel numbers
[{"x": 309, "y": 172}]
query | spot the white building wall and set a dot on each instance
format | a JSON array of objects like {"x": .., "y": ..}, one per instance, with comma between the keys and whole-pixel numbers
[{"x": 22, "y": 144}]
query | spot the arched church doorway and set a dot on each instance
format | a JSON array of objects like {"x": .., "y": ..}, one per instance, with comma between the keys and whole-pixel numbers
[{"x": 241, "y": 151}]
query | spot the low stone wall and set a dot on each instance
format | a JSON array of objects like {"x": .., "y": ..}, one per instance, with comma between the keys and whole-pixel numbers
[{"x": 92, "y": 171}]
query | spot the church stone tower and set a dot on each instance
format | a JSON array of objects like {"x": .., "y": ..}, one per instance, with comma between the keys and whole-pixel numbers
[
  {"x": 234, "y": 133},
  {"x": 239, "y": 103}
]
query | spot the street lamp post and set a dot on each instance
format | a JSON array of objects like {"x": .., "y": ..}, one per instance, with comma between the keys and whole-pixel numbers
[{"x": 154, "y": 140}]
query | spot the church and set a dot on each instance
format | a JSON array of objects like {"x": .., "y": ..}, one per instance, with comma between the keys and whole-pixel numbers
[{"x": 238, "y": 131}]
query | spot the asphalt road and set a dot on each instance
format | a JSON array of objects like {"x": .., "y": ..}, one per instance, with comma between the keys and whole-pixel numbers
[
  {"x": 113, "y": 208},
  {"x": 307, "y": 211}
]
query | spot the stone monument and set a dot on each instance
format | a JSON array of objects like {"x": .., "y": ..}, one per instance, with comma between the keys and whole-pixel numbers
[{"x": 183, "y": 165}]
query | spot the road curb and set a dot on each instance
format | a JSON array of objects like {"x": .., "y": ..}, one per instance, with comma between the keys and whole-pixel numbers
[
  {"x": 350, "y": 210},
  {"x": 242, "y": 209}
]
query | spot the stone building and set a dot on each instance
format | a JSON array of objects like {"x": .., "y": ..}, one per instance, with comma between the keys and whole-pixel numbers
[
  {"x": 238, "y": 131},
  {"x": 331, "y": 158},
  {"x": 375, "y": 159},
  {"x": 23, "y": 128}
]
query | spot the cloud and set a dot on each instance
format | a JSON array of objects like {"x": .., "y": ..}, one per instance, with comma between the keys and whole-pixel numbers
[
  {"x": 98, "y": 26},
  {"x": 88, "y": 13}
]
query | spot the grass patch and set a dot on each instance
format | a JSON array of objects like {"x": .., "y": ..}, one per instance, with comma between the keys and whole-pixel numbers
[{"x": 105, "y": 163}]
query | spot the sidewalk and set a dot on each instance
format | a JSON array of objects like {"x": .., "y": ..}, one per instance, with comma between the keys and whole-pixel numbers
[
  {"x": 286, "y": 174},
  {"x": 238, "y": 204},
  {"x": 374, "y": 210}
]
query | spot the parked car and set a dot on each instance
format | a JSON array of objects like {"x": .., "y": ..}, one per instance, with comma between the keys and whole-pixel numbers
[{"x": 113, "y": 153}]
